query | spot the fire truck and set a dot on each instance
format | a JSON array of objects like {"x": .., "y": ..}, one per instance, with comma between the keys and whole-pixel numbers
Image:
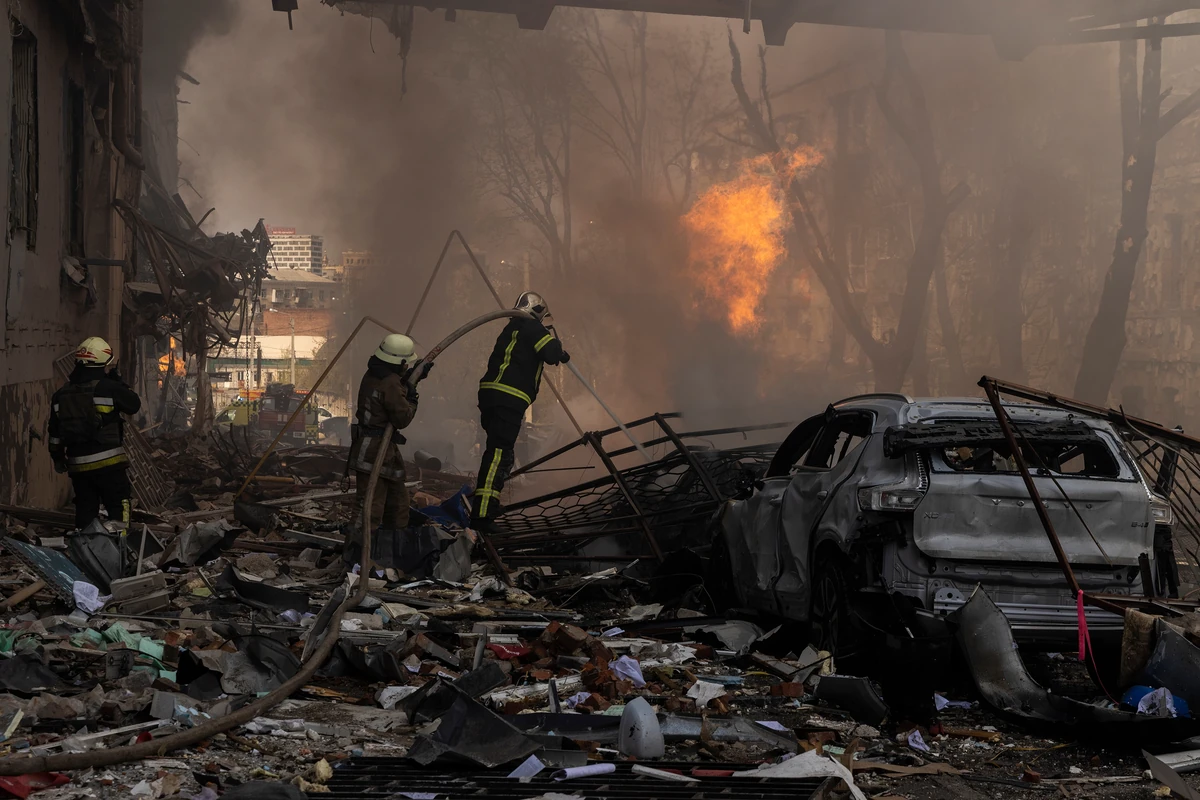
[{"x": 267, "y": 412}]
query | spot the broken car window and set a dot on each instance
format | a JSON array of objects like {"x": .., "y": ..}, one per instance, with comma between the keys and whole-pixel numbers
[
  {"x": 1088, "y": 460},
  {"x": 840, "y": 436}
]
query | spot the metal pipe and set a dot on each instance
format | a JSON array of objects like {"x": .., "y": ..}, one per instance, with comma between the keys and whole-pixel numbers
[
  {"x": 1038, "y": 504},
  {"x": 307, "y": 397},
  {"x": 619, "y": 480},
  {"x": 611, "y": 413},
  {"x": 412, "y": 323}
]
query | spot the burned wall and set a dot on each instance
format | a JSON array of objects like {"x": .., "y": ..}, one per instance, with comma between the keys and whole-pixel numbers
[{"x": 46, "y": 314}]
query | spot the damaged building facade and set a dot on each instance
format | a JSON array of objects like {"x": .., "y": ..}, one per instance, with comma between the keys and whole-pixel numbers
[{"x": 72, "y": 74}]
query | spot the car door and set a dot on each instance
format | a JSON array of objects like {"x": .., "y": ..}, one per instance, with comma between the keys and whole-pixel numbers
[
  {"x": 752, "y": 526},
  {"x": 814, "y": 478}
]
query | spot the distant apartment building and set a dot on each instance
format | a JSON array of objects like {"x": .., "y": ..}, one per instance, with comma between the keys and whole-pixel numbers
[
  {"x": 296, "y": 296},
  {"x": 291, "y": 250},
  {"x": 352, "y": 261}
]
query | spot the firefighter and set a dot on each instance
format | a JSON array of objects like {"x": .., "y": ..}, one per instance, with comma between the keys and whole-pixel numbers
[
  {"x": 508, "y": 388},
  {"x": 87, "y": 433},
  {"x": 384, "y": 397}
]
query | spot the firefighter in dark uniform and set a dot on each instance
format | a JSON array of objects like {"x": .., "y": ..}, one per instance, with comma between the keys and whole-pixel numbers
[
  {"x": 384, "y": 397},
  {"x": 508, "y": 388},
  {"x": 87, "y": 434}
]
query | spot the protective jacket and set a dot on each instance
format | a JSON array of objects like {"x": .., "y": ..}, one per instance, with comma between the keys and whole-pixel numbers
[
  {"x": 514, "y": 370},
  {"x": 86, "y": 429},
  {"x": 383, "y": 397}
]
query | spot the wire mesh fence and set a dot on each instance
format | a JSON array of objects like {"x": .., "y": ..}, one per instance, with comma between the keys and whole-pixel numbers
[{"x": 637, "y": 511}]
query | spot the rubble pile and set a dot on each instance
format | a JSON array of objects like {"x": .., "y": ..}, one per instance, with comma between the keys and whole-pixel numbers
[
  {"x": 446, "y": 673},
  {"x": 227, "y": 640}
]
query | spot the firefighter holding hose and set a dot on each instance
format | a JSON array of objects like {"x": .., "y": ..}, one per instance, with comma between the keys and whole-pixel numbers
[
  {"x": 384, "y": 396},
  {"x": 507, "y": 389}
]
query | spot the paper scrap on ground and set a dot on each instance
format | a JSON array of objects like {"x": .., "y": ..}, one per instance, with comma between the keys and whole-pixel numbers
[
  {"x": 941, "y": 703},
  {"x": 88, "y": 597},
  {"x": 577, "y": 698},
  {"x": 570, "y": 773},
  {"x": 916, "y": 741},
  {"x": 806, "y": 765},
  {"x": 628, "y": 669},
  {"x": 528, "y": 768},
  {"x": 704, "y": 692}
]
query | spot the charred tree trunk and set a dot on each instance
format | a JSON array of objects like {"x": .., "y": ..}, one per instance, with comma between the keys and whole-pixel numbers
[
  {"x": 917, "y": 134},
  {"x": 950, "y": 340},
  {"x": 920, "y": 360},
  {"x": 1142, "y": 125},
  {"x": 1008, "y": 313}
]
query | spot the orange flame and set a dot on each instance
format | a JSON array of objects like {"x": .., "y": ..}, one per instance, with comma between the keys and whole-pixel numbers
[
  {"x": 735, "y": 235},
  {"x": 164, "y": 362}
]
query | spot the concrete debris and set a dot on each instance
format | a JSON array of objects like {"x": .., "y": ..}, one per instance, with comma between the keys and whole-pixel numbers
[{"x": 559, "y": 671}]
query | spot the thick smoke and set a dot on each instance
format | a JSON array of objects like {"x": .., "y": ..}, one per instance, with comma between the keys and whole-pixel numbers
[{"x": 309, "y": 128}]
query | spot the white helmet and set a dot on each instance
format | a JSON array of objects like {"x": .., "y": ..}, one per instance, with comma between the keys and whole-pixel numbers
[
  {"x": 94, "y": 352},
  {"x": 533, "y": 303},
  {"x": 396, "y": 348}
]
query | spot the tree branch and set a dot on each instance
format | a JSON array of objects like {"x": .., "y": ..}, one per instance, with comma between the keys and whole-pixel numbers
[{"x": 1178, "y": 113}]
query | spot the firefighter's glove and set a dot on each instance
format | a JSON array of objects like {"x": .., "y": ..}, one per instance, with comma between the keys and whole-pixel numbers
[
  {"x": 423, "y": 370},
  {"x": 413, "y": 397},
  {"x": 60, "y": 466},
  {"x": 565, "y": 357}
]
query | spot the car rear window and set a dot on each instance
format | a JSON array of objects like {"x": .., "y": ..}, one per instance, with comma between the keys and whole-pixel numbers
[{"x": 1088, "y": 460}]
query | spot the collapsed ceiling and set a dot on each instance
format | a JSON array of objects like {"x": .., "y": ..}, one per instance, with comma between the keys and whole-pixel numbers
[{"x": 1016, "y": 26}]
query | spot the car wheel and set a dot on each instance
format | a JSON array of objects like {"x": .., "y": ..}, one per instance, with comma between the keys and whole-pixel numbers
[{"x": 829, "y": 617}]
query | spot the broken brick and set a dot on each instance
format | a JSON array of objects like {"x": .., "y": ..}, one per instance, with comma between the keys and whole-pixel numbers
[
  {"x": 595, "y": 702},
  {"x": 565, "y": 638},
  {"x": 787, "y": 690}
]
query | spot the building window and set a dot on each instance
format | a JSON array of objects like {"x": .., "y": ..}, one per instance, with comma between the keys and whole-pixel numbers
[
  {"x": 73, "y": 138},
  {"x": 23, "y": 137}
]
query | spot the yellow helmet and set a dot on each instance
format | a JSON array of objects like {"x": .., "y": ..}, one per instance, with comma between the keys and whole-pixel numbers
[
  {"x": 396, "y": 348},
  {"x": 94, "y": 352}
]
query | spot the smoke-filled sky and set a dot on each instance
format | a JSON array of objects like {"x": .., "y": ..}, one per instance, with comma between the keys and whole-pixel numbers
[{"x": 308, "y": 128}]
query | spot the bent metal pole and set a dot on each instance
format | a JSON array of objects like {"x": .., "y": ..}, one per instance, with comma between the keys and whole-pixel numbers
[
  {"x": 575, "y": 371},
  {"x": 1039, "y": 505}
]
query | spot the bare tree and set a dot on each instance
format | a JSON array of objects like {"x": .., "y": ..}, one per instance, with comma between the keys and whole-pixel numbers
[
  {"x": 1142, "y": 126},
  {"x": 526, "y": 148},
  {"x": 618, "y": 110},
  {"x": 890, "y": 359},
  {"x": 650, "y": 102}
]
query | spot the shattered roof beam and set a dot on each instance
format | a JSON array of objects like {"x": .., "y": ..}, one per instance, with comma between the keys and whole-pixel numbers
[{"x": 1038, "y": 21}]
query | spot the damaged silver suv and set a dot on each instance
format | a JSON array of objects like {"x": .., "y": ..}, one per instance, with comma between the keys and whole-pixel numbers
[{"x": 885, "y": 505}]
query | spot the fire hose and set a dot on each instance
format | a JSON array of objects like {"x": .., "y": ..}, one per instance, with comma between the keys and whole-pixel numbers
[{"x": 24, "y": 765}]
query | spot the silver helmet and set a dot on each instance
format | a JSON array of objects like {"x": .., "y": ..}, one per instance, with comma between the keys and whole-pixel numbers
[{"x": 535, "y": 304}]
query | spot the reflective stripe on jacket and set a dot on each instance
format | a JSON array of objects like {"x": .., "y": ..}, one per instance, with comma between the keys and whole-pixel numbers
[
  {"x": 86, "y": 429},
  {"x": 514, "y": 369}
]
